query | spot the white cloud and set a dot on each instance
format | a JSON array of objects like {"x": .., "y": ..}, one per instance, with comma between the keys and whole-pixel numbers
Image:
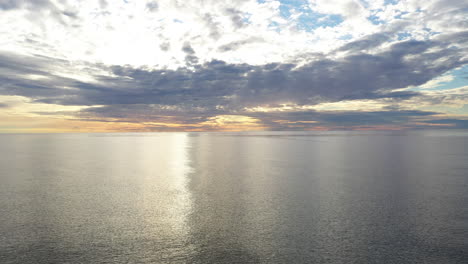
[
  {"x": 447, "y": 101},
  {"x": 350, "y": 9},
  {"x": 437, "y": 82},
  {"x": 152, "y": 33}
]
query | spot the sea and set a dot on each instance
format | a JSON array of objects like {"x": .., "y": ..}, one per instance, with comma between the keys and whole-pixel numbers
[{"x": 235, "y": 197}]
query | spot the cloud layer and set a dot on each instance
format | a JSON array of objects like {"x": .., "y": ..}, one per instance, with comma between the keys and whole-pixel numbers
[{"x": 210, "y": 65}]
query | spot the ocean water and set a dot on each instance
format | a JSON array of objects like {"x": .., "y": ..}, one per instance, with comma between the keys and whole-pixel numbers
[{"x": 259, "y": 197}]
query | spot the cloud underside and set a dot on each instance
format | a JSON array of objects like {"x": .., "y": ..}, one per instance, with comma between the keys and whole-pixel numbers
[{"x": 359, "y": 84}]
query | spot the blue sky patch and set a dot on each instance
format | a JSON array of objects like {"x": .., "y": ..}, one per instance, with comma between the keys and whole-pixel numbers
[
  {"x": 403, "y": 35},
  {"x": 391, "y": 2},
  {"x": 460, "y": 79},
  {"x": 308, "y": 20},
  {"x": 375, "y": 20}
]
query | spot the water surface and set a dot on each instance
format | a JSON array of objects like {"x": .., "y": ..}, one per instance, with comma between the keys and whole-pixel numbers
[{"x": 259, "y": 197}]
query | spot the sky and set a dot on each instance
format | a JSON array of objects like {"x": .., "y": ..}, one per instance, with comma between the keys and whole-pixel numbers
[{"x": 238, "y": 65}]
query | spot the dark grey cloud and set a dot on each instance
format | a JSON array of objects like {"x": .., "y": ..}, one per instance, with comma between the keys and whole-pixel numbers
[
  {"x": 190, "y": 57},
  {"x": 235, "y": 16},
  {"x": 340, "y": 119},
  {"x": 152, "y": 6},
  {"x": 3, "y": 105},
  {"x": 399, "y": 95},
  {"x": 212, "y": 25},
  {"x": 187, "y": 48},
  {"x": 16, "y": 78},
  {"x": 70, "y": 14}
]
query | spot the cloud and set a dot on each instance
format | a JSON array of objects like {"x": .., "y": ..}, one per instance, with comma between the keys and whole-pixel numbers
[
  {"x": 211, "y": 119},
  {"x": 15, "y": 4},
  {"x": 341, "y": 119},
  {"x": 152, "y": 6},
  {"x": 451, "y": 100},
  {"x": 237, "y": 44},
  {"x": 190, "y": 57},
  {"x": 236, "y": 17},
  {"x": 356, "y": 76},
  {"x": 366, "y": 43},
  {"x": 200, "y": 62},
  {"x": 126, "y": 32},
  {"x": 347, "y": 8},
  {"x": 451, "y": 123},
  {"x": 436, "y": 82}
]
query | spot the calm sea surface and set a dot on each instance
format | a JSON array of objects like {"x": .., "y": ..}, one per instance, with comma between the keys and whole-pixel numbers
[{"x": 265, "y": 197}]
